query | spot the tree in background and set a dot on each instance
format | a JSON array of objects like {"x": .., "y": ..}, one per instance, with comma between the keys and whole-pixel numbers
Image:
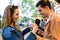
[{"x": 27, "y": 6}]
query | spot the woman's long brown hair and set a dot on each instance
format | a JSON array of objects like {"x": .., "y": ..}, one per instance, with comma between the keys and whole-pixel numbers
[{"x": 7, "y": 17}]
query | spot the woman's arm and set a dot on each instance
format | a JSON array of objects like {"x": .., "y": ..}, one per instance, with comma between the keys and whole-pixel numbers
[
  {"x": 25, "y": 31},
  {"x": 31, "y": 37},
  {"x": 28, "y": 29}
]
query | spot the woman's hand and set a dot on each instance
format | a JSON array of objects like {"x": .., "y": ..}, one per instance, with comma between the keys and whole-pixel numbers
[
  {"x": 32, "y": 25},
  {"x": 35, "y": 28}
]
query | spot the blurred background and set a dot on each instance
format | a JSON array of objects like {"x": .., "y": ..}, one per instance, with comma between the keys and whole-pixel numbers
[{"x": 28, "y": 11}]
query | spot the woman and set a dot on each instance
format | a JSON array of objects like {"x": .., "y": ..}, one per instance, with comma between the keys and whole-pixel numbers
[{"x": 10, "y": 29}]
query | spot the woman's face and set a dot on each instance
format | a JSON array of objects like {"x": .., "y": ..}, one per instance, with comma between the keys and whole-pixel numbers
[{"x": 15, "y": 15}]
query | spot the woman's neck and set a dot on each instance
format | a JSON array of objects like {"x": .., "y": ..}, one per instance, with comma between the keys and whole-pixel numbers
[{"x": 12, "y": 24}]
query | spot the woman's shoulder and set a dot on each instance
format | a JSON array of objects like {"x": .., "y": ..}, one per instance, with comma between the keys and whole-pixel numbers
[
  {"x": 7, "y": 28},
  {"x": 7, "y": 32}
]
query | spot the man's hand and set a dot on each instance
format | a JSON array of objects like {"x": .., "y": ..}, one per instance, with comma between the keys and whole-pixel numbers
[{"x": 40, "y": 38}]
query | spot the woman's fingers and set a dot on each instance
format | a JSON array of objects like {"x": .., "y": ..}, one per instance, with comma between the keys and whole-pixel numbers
[{"x": 35, "y": 28}]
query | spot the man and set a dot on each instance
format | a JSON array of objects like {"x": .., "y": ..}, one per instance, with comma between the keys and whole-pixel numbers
[{"x": 52, "y": 30}]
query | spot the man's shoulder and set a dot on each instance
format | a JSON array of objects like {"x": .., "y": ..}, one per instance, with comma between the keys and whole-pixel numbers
[{"x": 58, "y": 19}]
